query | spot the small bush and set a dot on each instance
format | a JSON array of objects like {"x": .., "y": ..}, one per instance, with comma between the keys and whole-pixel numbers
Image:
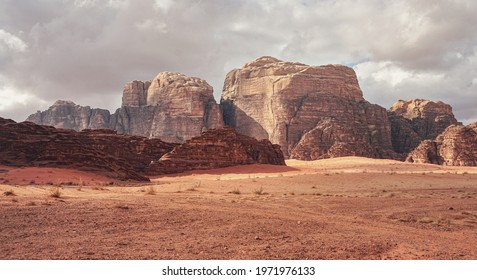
[
  {"x": 235, "y": 191},
  {"x": 9, "y": 193},
  {"x": 55, "y": 192},
  {"x": 150, "y": 190},
  {"x": 260, "y": 191}
]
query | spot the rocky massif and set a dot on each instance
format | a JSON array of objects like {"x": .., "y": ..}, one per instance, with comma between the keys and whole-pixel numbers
[
  {"x": 416, "y": 120},
  {"x": 312, "y": 112},
  {"x": 172, "y": 106},
  {"x": 457, "y": 145},
  {"x": 66, "y": 114}
]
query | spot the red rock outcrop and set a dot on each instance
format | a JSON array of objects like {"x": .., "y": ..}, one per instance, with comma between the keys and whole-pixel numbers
[
  {"x": 416, "y": 120},
  {"x": 217, "y": 148},
  {"x": 312, "y": 112},
  {"x": 121, "y": 157},
  {"x": 457, "y": 145}
]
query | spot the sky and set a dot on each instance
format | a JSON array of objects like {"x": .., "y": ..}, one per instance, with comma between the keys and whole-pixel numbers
[{"x": 86, "y": 50}]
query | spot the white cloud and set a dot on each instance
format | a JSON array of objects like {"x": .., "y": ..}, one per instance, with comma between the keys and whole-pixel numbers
[
  {"x": 163, "y": 4},
  {"x": 12, "y": 42},
  {"x": 86, "y": 50},
  {"x": 14, "y": 100}
]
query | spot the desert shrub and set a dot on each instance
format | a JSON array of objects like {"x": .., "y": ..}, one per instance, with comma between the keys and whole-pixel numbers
[
  {"x": 150, "y": 190},
  {"x": 260, "y": 191},
  {"x": 55, "y": 192},
  {"x": 9, "y": 193},
  {"x": 235, "y": 191}
]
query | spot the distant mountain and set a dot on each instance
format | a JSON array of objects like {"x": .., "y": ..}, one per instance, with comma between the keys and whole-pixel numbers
[{"x": 312, "y": 112}]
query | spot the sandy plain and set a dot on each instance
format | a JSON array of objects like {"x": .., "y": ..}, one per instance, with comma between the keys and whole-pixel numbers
[{"x": 344, "y": 208}]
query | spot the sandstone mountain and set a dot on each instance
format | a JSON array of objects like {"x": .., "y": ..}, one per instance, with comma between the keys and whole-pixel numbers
[
  {"x": 457, "y": 145},
  {"x": 416, "y": 120},
  {"x": 312, "y": 112},
  {"x": 172, "y": 107},
  {"x": 217, "y": 148},
  {"x": 122, "y": 157}
]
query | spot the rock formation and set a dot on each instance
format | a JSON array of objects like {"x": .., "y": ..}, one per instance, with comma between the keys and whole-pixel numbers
[
  {"x": 68, "y": 115},
  {"x": 312, "y": 112},
  {"x": 416, "y": 120},
  {"x": 217, "y": 148},
  {"x": 457, "y": 145},
  {"x": 103, "y": 151},
  {"x": 172, "y": 107},
  {"x": 185, "y": 107},
  {"x": 135, "y": 93}
]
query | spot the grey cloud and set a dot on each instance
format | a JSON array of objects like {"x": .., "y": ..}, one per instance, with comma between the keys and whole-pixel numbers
[{"x": 86, "y": 53}]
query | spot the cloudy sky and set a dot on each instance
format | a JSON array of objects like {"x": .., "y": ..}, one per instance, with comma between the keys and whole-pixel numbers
[{"x": 86, "y": 50}]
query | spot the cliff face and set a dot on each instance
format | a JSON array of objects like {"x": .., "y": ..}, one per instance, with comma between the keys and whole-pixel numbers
[
  {"x": 457, "y": 145},
  {"x": 416, "y": 120},
  {"x": 135, "y": 93},
  {"x": 217, "y": 148},
  {"x": 185, "y": 107},
  {"x": 311, "y": 112},
  {"x": 172, "y": 107}
]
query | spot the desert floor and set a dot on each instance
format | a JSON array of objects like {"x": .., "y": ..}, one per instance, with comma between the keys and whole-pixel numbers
[{"x": 346, "y": 208}]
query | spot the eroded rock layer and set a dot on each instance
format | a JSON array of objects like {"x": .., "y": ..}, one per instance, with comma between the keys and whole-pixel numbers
[
  {"x": 312, "y": 112},
  {"x": 217, "y": 148},
  {"x": 122, "y": 157},
  {"x": 457, "y": 145}
]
